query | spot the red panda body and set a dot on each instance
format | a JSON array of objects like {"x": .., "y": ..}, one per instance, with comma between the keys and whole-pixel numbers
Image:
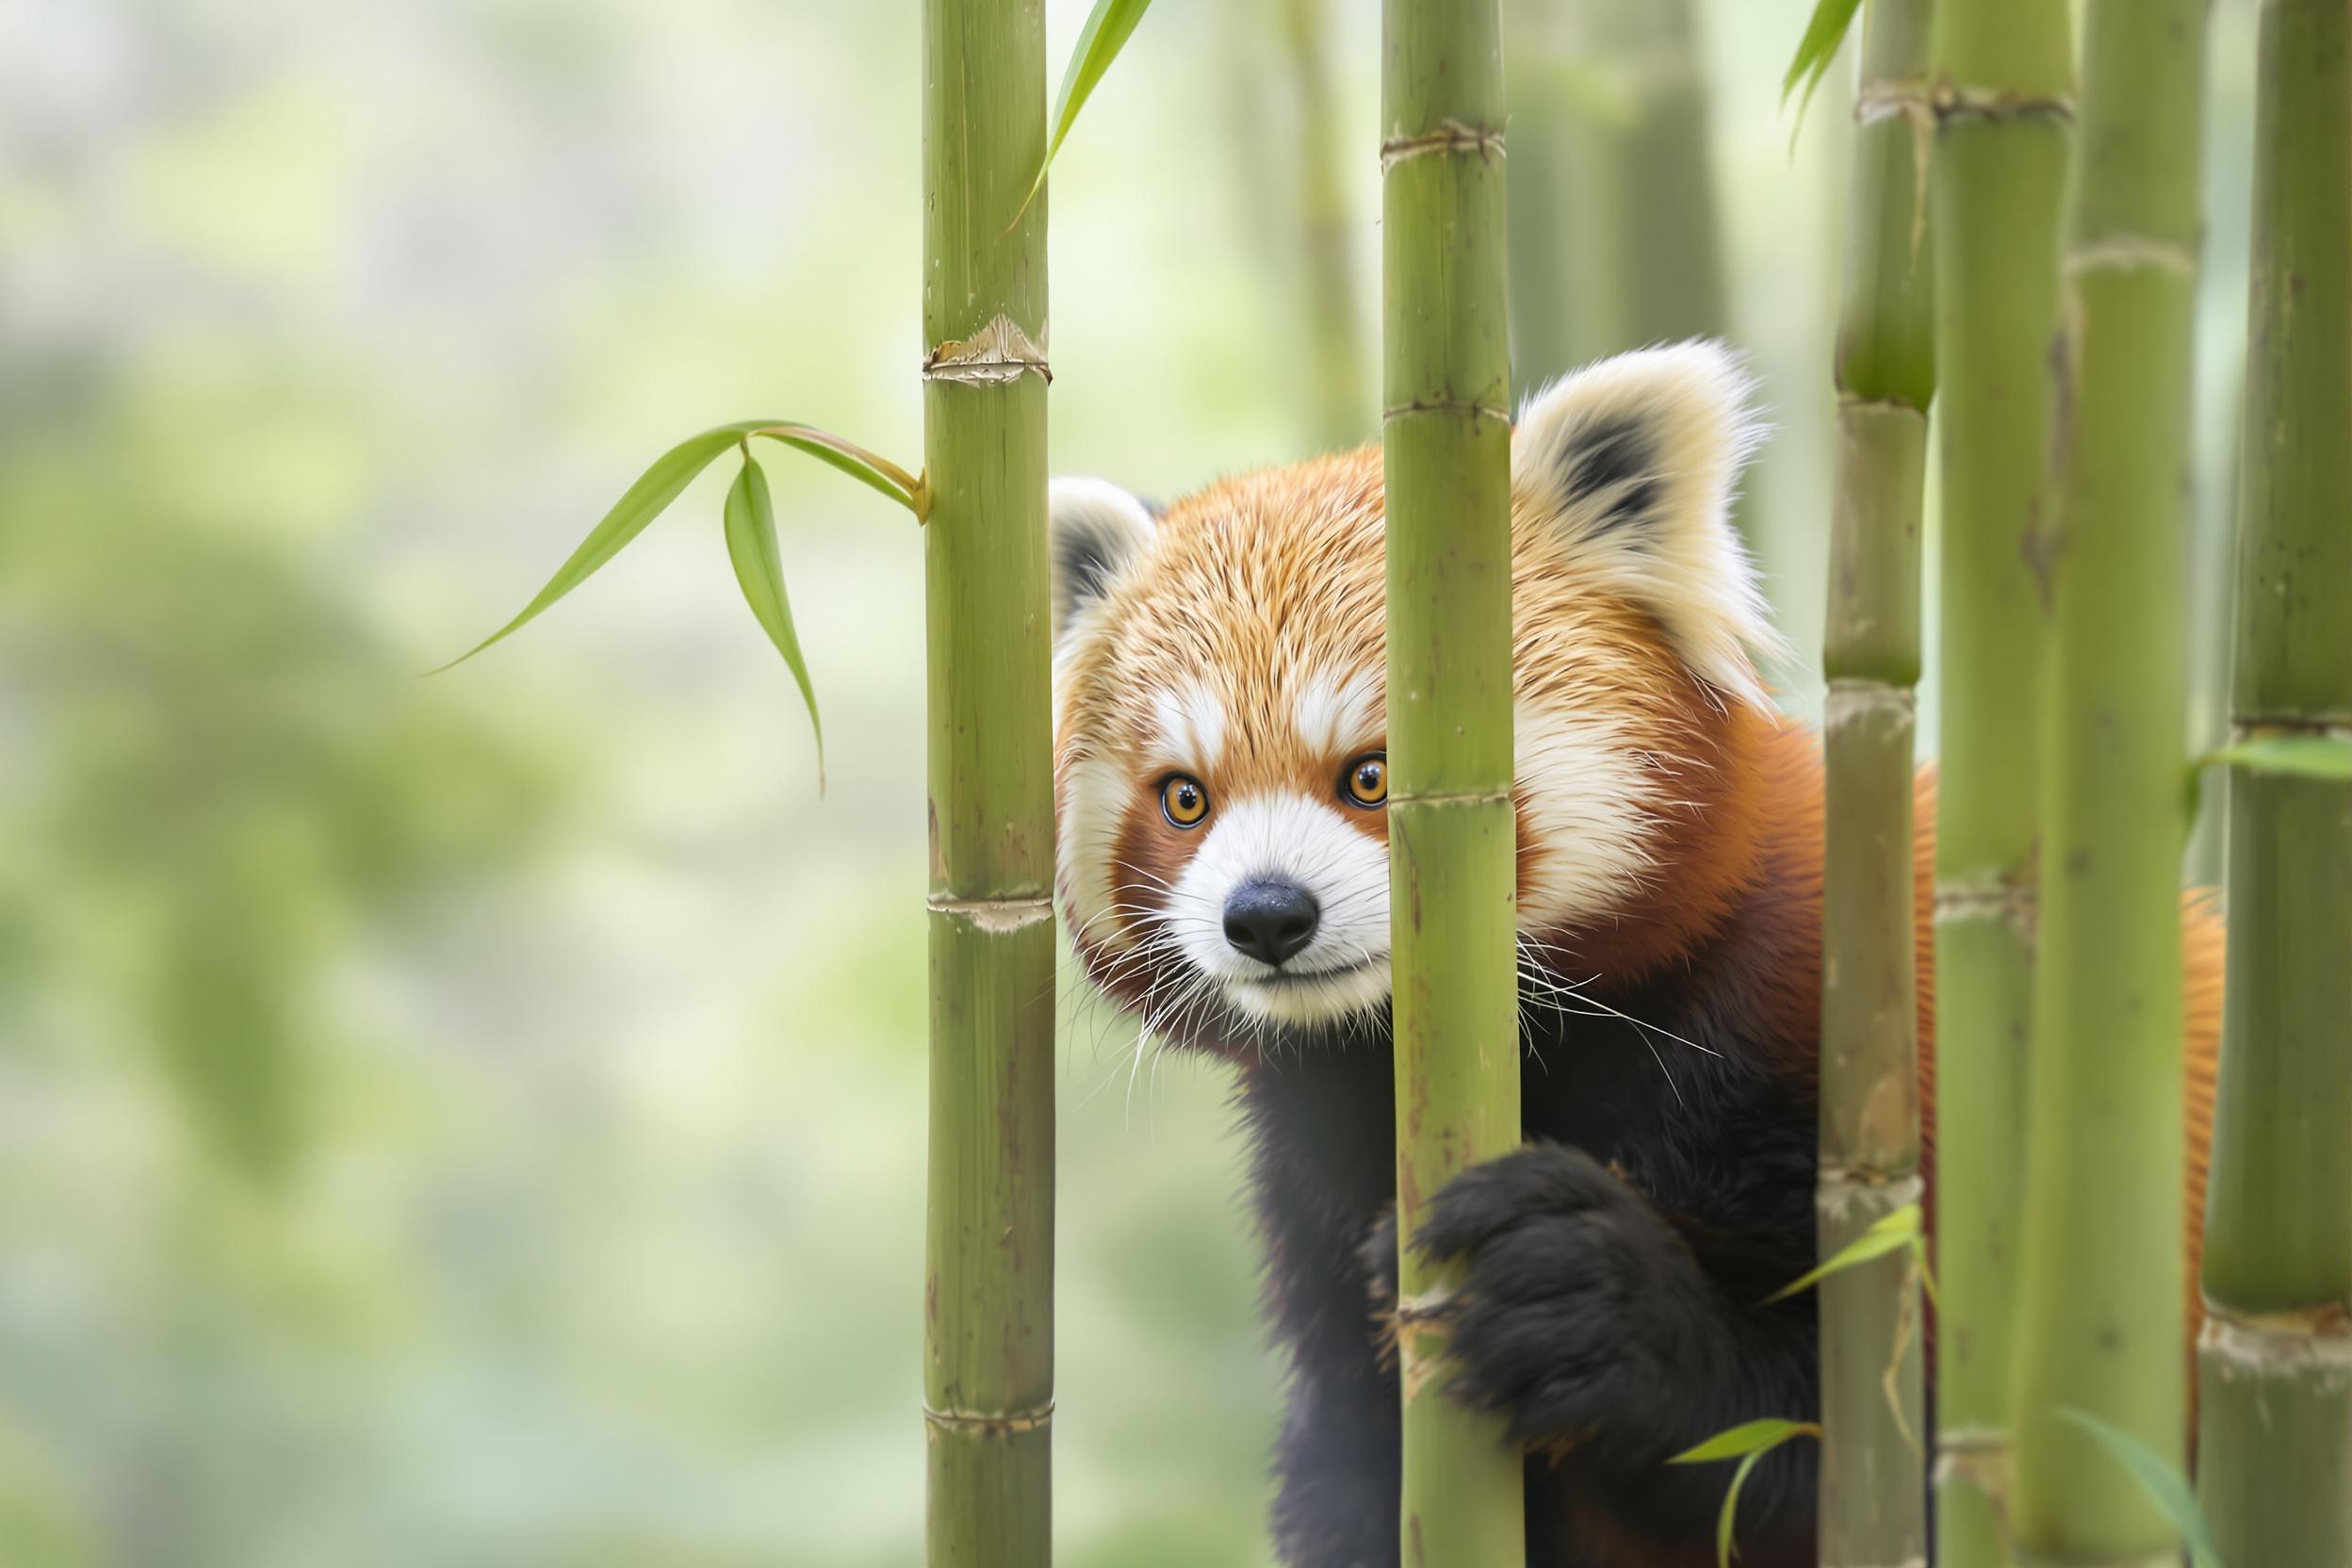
[{"x": 1222, "y": 871}]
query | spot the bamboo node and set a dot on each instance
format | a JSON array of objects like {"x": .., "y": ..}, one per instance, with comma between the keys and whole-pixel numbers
[
  {"x": 997, "y": 353},
  {"x": 1470, "y": 406},
  {"x": 2279, "y": 1344},
  {"x": 1893, "y": 98},
  {"x": 2010, "y": 903},
  {"x": 1953, "y": 102},
  {"x": 1852, "y": 697},
  {"x": 1451, "y": 135},
  {"x": 1458, "y": 797},
  {"x": 1841, "y": 1190},
  {"x": 996, "y": 914},
  {"x": 990, "y": 1424},
  {"x": 1976, "y": 1457},
  {"x": 2256, "y": 727},
  {"x": 2133, "y": 252}
]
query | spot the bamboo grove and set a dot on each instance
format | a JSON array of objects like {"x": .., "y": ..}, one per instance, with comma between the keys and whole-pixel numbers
[{"x": 2021, "y": 261}]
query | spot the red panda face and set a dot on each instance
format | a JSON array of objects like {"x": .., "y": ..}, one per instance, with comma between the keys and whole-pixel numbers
[{"x": 1221, "y": 690}]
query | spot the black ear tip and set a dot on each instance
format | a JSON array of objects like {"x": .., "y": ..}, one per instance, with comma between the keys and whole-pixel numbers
[{"x": 1095, "y": 527}]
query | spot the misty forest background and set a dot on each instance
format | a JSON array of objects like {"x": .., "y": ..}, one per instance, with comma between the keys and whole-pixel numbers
[{"x": 479, "y": 1121}]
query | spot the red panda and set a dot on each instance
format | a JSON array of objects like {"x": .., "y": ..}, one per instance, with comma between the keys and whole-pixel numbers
[{"x": 1222, "y": 872}]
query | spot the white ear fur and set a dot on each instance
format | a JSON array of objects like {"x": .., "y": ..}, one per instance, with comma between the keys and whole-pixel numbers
[
  {"x": 1095, "y": 527},
  {"x": 1633, "y": 460}
]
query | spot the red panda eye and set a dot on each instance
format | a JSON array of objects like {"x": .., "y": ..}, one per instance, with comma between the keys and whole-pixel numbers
[
  {"x": 1183, "y": 801},
  {"x": 1365, "y": 782}
]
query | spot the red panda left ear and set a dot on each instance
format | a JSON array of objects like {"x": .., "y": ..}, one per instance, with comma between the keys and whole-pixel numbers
[{"x": 1631, "y": 464}]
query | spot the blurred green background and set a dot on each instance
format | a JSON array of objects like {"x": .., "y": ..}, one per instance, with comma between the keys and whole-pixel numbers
[{"x": 479, "y": 1120}]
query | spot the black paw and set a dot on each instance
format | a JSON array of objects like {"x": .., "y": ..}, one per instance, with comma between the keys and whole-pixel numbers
[{"x": 1583, "y": 1313}]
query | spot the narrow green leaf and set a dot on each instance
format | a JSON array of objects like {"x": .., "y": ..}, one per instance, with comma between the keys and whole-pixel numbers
[
  {"x": 2323, "y": 757},
  {"x": 2327, "y": 757},
  {"x": 1106, "y": 31},
  {"x": 1750, "y": 1437},
  {"x": 2165, "y": 1486},
  {"x": 850, "y": 458},
  {"x": 647, "y": 499},
  {"x": 1747, "y": 1443},
  {"x": 1817, "y": 50},
  {"x": 1896, "y": 1232},
  {"x": 751, "y": 546}
]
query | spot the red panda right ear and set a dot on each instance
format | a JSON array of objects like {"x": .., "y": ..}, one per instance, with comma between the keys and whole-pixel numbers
[
  {"x": 1095, "y": 527},
  {"x": 1630, "y": 464}
]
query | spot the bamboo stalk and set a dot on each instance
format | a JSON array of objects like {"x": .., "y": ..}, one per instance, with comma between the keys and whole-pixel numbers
[
  {"x": 1327, "y": 271},
  {"x": 2102, "y": 1308},
  {"x": 1872, "y": 1503},
  {"x": 2275, "y": 1362},
  {"x": 2004, "y": 130},
  {"x": 988, "y": 1288},
  {"x": 1612, "y": 195},
  {"x": 1446, "y": 446}
]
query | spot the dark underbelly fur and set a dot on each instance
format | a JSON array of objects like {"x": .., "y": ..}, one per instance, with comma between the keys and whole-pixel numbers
[{"x": 1618, "y": 1265}]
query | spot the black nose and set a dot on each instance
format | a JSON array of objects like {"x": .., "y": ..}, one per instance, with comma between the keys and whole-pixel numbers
[{"x": 1270, "y": 921}]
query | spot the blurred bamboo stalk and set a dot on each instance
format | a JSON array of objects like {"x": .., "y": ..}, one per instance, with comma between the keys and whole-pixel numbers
[
  {"x": 2102, "y": 1308},
  {"x": 2002, "y": 80},
  {"x": 1327, "y": 271},
  {"x": 989, "y": 1286},
  {"x": 2275, "y": 1361},
  {"x": 1445, "y": 438},
  {"x": 1612, "y": 195},
  {"x": 1872, "y": 1500}
]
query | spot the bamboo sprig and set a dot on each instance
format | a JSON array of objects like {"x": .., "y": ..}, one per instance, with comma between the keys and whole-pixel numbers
[
  {"x": 2275, "y": 1361},
  {"x": 747, "y": 521}
]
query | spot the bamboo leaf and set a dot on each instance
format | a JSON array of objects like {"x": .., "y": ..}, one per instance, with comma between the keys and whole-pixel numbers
[
  {"x": 2163, "y": 1483},
  {"x": 1748, "y": 1442},
  {"x": 1750, "y": 1437},
  {"x": 1816, "y": 51},
  {"x": 750, "y": 521},
  {"x": 2326, "y": 758},
  {"x": 879, "y": 473},
  {"x": 675, "y": 470},
  {"x": 1892, "y": 1233},
  {"x": 2323, "y": 757},
  {"x": 1107, "y": 29},
  {"x": 644, "y": 500}
]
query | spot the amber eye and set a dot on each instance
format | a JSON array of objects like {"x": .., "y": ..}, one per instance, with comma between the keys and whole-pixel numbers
[
  {"x": 1184, "y": 800},
  {"x": 1366, "y": 780}
]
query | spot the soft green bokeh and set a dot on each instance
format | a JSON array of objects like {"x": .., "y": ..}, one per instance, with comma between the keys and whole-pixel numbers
[{"x": 479, "y": 1120}]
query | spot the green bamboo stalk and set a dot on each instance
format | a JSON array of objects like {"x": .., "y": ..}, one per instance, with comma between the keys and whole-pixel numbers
[
  {"x": 1453, "y": 878},
  {"x": 989, "y": 1286},
  {"x": 2275, "y": 1362},
  {"x": 1612, "y": 195},
  {"x": 1326, "y": 269},
  {"x": 2004, "y": 132},
  {"x": 1873, "y": 1504},
  {"x": 2101, "y": 1311}
]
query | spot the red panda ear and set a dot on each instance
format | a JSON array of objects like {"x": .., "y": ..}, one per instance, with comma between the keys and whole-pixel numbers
[
  {"x": 1631, "y": 463},
  {"x": 1095, "y": 528}
]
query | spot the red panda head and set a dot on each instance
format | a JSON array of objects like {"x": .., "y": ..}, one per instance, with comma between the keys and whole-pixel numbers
[{"x": 1220, "y": 701}]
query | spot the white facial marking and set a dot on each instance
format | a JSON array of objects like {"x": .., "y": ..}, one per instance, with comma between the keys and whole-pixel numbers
[
  {"x": 1289, "y": 837},
  {"x": 1095, "y": 797},
  {"x": 1191, "y": 727},
  {"x": 1582, "y": 785},
  {"x": 1335, "y": 713}
]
